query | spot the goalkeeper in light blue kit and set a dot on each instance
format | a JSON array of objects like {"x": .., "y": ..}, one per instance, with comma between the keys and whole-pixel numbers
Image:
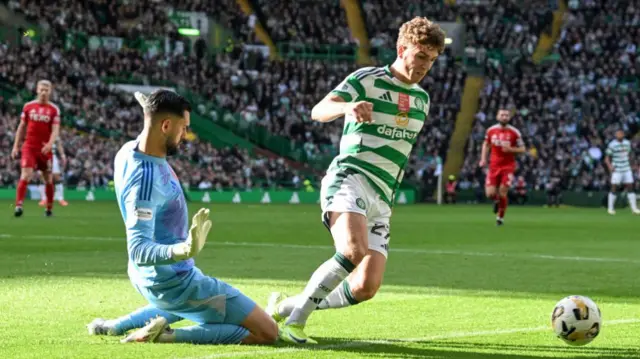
[{"x": 161, "y": 245}]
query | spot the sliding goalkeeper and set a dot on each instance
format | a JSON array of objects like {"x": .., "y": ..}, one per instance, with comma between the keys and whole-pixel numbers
[{"x": 161, "y": 245}]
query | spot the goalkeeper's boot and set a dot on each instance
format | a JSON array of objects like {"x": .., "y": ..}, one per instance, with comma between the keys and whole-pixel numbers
[
  {"x": 18, "y": 212},
  {"x": 99, "y": 327},
  {"x": 272, "y": 306},
  {"x": 294, "y": 333},
  {"x": 149, "y": 333}
]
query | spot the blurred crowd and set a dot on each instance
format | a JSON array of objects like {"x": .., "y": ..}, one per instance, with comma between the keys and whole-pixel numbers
[
  {"x": 569, "y": 108},
  {"x": 566, "y": 109},
  {"x": 198, "y": 165}
]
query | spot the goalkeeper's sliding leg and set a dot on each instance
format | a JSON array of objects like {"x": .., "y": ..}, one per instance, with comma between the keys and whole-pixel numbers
[{"x": 223, "y": 315}]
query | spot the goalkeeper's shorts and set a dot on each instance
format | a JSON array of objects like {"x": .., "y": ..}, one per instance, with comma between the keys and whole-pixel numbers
[{"x": 202, "y": 299}]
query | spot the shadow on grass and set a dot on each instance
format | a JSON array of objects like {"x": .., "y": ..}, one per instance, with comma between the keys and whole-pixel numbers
[{"x": 462, "y": 350}]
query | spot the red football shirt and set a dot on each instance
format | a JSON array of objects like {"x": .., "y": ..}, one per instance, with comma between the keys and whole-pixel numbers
[
  {"x": 40, "y": 119},
  {"x": 498, "y": 136}
]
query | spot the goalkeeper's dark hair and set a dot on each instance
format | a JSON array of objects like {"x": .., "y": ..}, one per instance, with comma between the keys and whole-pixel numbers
[{"x": 164, "y": 102}]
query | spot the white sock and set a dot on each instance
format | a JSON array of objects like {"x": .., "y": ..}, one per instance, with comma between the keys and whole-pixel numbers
[
  {"x": 612, "y": 200},
  {"x": 323, "y": 281},
  {"x": 340, "y": 297},
  {"x": 631, "y": 196},
  {"x": 59, "y": 195},
  {"x": 43, "y": 194}
]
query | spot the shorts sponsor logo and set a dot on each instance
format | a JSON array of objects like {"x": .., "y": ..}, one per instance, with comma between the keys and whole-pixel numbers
[{"x": 360, "y": 203}]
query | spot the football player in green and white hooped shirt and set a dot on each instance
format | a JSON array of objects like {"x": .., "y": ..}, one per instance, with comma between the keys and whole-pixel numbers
[
  {"x": 617, "y": 160},
  {"x": 384, "y": 110}
]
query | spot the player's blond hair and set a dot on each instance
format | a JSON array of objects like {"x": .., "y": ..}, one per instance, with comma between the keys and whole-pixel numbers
[
  {"x": 423, "y": 31},
  {"x": 45, "y": 82}
]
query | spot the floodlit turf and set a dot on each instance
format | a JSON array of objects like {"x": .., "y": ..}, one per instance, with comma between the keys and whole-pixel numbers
[{"x": 456, "y": 285}]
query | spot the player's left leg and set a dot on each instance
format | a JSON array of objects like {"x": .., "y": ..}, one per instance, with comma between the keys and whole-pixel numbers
[
  {"x": 631, "y": 194},
  {"x": 57, "y": 180},
  {"x": 223, "y": 315},
  {"x": 503, "y": 192},
  {"x": 361, "y": 285},
  {"x": 44, "y": 164},
  {"x": 134, "y": 320}
]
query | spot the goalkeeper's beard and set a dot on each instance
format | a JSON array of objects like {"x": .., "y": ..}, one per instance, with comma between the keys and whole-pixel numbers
[{"x": 172, "y": 148}]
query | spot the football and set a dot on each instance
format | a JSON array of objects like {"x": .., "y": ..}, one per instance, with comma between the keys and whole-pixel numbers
[{"x": 576, "y": 320}]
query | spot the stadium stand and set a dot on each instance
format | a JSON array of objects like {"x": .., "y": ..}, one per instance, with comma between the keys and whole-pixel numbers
[
  {"x": 569, "y": 107},
  {"x": 269, "y": 102}
]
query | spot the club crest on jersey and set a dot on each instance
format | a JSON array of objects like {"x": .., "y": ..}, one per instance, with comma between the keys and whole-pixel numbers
[
  {"x": 402, "y": 119},
  {"x": 419, "y": 103}
]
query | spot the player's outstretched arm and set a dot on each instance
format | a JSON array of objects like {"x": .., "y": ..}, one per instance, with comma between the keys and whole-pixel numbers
[{"x": 334, "y": 106}]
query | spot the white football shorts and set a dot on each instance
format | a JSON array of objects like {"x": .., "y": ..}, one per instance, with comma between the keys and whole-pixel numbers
[
  {"x": 345, "y": 190},
  {"x": 622, "y": 177}
]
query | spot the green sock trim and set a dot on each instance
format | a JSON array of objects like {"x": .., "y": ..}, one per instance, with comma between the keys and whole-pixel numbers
[
  {"x": 347, "y": 293},
  {"x": 344, "y": 262}
]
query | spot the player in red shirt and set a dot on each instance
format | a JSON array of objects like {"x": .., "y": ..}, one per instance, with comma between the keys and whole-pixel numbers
[
  {"x": 505, "y": 142},
  {"x": 41, "y": 120}
]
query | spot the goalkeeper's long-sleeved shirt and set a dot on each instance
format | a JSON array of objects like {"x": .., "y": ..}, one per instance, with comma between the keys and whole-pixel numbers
[{"x": 155, "y": 214}]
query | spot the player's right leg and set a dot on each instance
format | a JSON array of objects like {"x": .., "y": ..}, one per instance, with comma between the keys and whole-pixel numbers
[
  {"x": 506, "y": 178},
  {"x": 223, "y": 315},
  {"x": 490, "y": 188},
  {"x": 134, "y": 320},
  {"x": 616, "y": 179},
  {"x": 27, "y": 163},
  {"x": 344, "y": 206}
]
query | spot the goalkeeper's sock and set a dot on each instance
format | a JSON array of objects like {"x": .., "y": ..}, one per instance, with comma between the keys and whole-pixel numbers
[
  {"x": 49, "y": 190},
  {"x": 206, "y": 334},
  {"x": 323, "y": 281},
  {"x": 139, "y": 318},
  {"x": 340, "y": 297},
  {"x": 21, "y": 192}
]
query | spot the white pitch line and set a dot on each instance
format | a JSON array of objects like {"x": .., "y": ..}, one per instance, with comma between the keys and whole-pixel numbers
[
  {"x": 364, "y": 343},
  {"x": 392, "y": 250}
]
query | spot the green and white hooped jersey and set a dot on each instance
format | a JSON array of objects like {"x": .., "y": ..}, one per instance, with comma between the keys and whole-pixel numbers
[
  {"x": 380, "y": 150},
  {"x": 619, "y": 153}
]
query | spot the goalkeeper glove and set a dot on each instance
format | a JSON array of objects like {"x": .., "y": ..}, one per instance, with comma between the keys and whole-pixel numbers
[{"x": 200, "y": 226}]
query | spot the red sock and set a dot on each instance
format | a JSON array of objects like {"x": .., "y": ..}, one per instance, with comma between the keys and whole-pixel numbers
[
  {"x": 21, "y": 192},
  {"x": 49, "y": 190},
  {"x": 502, "y": 206}
]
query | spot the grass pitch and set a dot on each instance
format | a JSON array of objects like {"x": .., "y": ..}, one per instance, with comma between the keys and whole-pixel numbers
[{"x": 456, "y": 285}]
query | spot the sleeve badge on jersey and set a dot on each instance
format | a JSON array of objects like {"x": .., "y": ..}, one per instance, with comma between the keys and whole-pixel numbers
[
  {"x": 143, "y": 214},
  {"x": 419, "y": 103}
]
